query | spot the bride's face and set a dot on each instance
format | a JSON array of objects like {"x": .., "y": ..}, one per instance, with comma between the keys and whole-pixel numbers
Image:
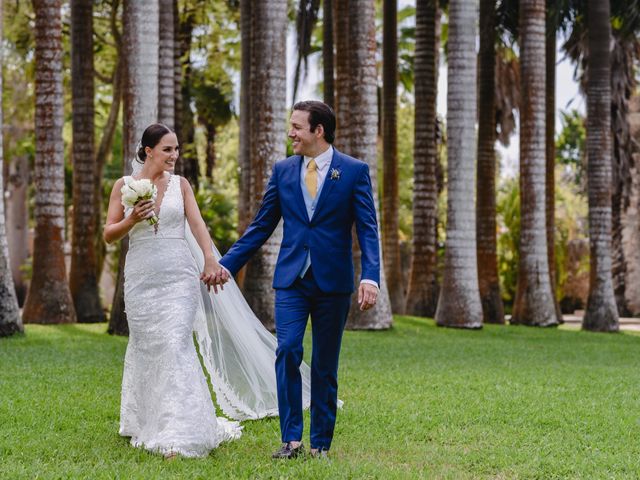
[{"x": 165, "y": 154}]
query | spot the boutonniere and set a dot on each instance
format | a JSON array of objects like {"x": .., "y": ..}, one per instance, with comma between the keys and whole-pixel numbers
[{"x": 335, "y": 174}]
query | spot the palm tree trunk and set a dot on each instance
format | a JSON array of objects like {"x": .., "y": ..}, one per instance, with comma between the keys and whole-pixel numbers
[
  {"x": 623, "y": 84},
  {"x": 361, "y": 136},
  {"x": 390, "y": 198},
  {"x": 601, "y": 313},
  {"x": 10, "y": 321},
  {"x": 244, "y": 154},
  {"x": 83, "y": 279},
  {"x": 177, "y": 80},
  {"x": 489, "y": 283},
  {"x": 244, "y": 147},
  {"x": 343, "y": 74},
  {"x": 459, "y": 304},
  {"x": 188, "y": 154},
  {"x": 17, "y": 221},
  {"x": 268, "y": 106},
  {"x": 534, "y": 303},
  {"x": 140, "y": 93},
  {"x": 327, "y": 53},
  {"x": 550, "y": 140},
  {"x": 422, "y": 291},
  {"x": 166, "y": 76},
  {"x": 211, "y": 150},
  {"x": 49, "y": 298},
  {"x": 104, "y": 152}
]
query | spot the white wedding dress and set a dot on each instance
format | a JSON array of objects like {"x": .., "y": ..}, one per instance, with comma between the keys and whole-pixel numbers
[{"x": 166, "y": 406}]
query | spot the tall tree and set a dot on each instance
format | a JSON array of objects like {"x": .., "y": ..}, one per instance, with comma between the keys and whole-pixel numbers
[
  {"x": 489, "y": 282},
  {"x": 83, "y": 279},
  {"x": 305, "y": 24},
  {"x": 49, "y": 298},
  {"x": 10, "y": 321},
  {"x": 534, "y": 302},
  {"x": 327, "y": 53},
  {"x": 553, "y": 15},
  {"x": 360, "y": 133},
  {"x": 108, "y": 132},
  {"x": 602, "y": 313},
  {"x": 266, "y": 138},
  {"x": 624, "y": 56},
  {"x": 422, "y": 291},
  {"x": 459, "y": 304},
  {"x": 390, "y": 195},
  {"x": 17, "y": 221},
  {"x": 188, "y": 156},
  {"x": 166, "y": 75},
  {"x": 140, "y": 93},
  {"x": 177, "y": 80},
  {"x": 343, "y": 74},
  {"x": 244, "y": 145}
]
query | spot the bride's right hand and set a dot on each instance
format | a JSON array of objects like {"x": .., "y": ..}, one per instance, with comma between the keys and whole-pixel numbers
[{"x": 142, "y": 211}]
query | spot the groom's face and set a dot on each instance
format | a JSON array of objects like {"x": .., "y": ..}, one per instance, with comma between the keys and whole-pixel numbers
[{"x": 305, "y": 142}]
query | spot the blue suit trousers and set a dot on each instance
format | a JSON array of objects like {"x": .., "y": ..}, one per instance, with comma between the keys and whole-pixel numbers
[{"x": 328, "y": 314}]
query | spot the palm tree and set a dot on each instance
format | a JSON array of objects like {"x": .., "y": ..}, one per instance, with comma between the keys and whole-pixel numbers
[
  {"x": 108, "y": 132},
  {"x": 625, "y": 54},
  {"x": 459, "y": 304},
  {"x": 602, "y": 313},
  {"x": 140, "y": 50},
  {"x": 534, "y": 303},
  {"x": 390, "y": 198},
  {"x": 360, "y": 133},
  {"x": 244, "y": 155},
  {"x": 189, "y": 166},
  {"x": 422, "y": 291},
  {"x": 489, "y": 282},
  {"x": 327, "y": 53},
  {"x": 267, "y": 115},
  {"x": 49, "y": 298},
  {"x": 83, "y": 279},
  {"x": 553, "y": 15},
  {"x": 343, "y": 73},
  {"x": 166, "y": 99},
  {"x": 177, "y": 78},
  {"x": 10, "y": 322}
]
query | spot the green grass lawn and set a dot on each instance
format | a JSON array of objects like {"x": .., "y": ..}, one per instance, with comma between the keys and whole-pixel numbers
[{"x": 420, "y": 402}]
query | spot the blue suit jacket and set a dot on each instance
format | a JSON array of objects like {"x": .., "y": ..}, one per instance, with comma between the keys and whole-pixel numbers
[{"x": 345, "y": 199}]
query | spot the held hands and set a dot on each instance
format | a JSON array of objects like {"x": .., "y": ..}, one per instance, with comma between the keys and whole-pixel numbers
[
  {"x": 214, "y": 275},
  {"x": 367, "y": 296},
  {"x": 143, "y": 210}
]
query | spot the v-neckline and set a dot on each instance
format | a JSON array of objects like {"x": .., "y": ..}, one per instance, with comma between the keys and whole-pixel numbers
[{"x": 164, "y": 193}]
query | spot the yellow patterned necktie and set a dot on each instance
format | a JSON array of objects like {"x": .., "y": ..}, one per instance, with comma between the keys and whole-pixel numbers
[{"x": 311, "y": 178}]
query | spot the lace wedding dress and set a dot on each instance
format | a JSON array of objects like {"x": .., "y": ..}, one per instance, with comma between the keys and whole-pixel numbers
[{"x": 166, "y": 406}]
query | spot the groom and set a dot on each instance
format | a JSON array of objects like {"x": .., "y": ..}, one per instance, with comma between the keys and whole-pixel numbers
[{"x": 319, "y": 193}]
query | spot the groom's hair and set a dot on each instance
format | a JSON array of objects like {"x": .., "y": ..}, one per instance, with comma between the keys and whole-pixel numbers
[{"x": 319, "y": 114}]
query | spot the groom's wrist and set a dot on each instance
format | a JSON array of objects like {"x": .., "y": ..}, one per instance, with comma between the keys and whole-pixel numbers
[{"x": 370, "y": 282}]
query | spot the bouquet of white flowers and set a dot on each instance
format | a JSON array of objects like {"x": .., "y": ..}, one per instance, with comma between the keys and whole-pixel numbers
[{"x": 138, "y": 190}]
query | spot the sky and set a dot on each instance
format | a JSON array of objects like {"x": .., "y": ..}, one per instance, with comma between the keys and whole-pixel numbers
[{"x": 567, "y": 95}]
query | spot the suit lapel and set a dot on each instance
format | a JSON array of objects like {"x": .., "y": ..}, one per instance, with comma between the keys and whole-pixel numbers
[{"x": 328, "y": 183}]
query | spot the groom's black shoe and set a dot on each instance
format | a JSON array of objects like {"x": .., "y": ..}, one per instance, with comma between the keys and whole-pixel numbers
[{"x": 289, "y": 451}]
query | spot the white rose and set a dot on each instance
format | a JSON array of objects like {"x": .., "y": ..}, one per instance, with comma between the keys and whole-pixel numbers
[{"x": 129, "y": 196}]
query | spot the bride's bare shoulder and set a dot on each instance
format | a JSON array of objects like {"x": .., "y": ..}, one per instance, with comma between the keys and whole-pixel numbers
[
  {"x": 118, "y": 185},
  {"x": 184, "y": 184}
]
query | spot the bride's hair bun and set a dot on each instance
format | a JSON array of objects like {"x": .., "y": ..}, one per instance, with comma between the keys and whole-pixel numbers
[{"x": 151, "y": 137}]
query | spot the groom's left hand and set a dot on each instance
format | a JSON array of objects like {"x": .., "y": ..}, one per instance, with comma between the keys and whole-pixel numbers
[{"x": 367, "y": 296}]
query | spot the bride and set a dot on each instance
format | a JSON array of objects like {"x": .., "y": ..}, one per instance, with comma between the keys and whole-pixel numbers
[{"x": 166, "y": 405}]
